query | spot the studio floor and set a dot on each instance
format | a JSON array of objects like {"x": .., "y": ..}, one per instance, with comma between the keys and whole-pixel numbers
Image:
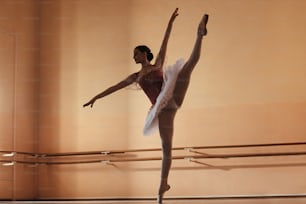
[{"x": 179, "y": 201}]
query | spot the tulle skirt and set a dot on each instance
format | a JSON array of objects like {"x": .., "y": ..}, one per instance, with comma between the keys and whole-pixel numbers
[{"x": 170, "y": 76}]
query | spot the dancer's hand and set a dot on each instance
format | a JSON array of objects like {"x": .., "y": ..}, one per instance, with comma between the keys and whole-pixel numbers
[
  {"x": 91, "y": 102},
  {"x": 174, "y": 15}
]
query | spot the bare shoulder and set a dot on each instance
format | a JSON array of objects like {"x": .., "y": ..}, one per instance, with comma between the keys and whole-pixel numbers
[
  {"x": 132, "y": 77},
  {"x": 154, "y": 67}
]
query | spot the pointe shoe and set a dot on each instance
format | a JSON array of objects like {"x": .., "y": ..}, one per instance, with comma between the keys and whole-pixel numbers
[
  {"x": 161, "y": 194},
  {"x": 202, "y": 31}
]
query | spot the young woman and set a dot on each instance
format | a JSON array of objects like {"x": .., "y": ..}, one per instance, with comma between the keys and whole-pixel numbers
[{"x": 166, "y": 90}]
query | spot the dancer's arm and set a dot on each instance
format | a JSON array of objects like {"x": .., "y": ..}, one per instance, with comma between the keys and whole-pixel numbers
[
  {"x": 124, "y": 83},
  {"x": 162, "y": 52}
]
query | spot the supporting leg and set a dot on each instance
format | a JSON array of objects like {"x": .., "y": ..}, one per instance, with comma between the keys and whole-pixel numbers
[{"x": 166, "y": 118}]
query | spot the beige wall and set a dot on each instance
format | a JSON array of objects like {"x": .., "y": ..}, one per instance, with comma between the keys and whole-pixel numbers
[
  {"x": 79, "y": 57},
  {"x": 248, "y": 88},
  {"x": 6, "y": 125},
  {"x": 19, "y": 85}
]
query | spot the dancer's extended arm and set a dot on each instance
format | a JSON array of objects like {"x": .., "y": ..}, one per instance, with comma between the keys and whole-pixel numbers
[
  {"x": 162, "y": 52},
  {"x": 159, "y": 62},
  {"x": 124, "y": 83}
]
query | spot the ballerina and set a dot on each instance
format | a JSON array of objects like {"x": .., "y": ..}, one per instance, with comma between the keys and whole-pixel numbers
[{"x": 166, "y": 89}]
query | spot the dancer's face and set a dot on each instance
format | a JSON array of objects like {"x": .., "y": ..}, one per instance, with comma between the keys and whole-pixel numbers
[{"x": 139, "y": 56}]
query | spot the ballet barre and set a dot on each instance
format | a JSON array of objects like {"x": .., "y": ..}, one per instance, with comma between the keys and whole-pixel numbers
[
  {"x": 190, "y": 149},
  {"x": 108, "y": 157}
]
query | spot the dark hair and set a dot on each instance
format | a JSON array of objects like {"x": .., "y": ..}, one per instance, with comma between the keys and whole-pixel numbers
[{"x": 144, "y": 48}]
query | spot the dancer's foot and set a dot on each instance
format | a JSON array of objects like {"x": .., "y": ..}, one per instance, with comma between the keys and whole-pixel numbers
[
  {"x": 161, "y": 193},
  {"x": 202, "y": 30}
]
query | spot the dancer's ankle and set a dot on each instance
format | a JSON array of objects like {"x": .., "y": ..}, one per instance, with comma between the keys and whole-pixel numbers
[{"x": 162, "y": 190}]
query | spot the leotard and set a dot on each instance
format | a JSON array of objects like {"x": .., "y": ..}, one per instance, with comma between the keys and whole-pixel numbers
[{"x": 158, "y": 86}]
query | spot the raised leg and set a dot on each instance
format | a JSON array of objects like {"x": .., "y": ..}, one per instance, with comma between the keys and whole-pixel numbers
[
  {"x": 166, "y": 116},
  {"x": 183, "y": 79}
]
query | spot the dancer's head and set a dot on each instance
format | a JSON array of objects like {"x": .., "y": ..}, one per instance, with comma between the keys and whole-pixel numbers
[{"x": 141, "y": 53}]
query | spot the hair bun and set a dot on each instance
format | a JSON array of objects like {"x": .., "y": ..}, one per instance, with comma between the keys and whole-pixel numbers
[{"x": 150, "y": 56}]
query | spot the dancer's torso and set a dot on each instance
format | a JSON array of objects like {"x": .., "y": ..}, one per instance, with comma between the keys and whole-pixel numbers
[{"x": 151, "y": 84}]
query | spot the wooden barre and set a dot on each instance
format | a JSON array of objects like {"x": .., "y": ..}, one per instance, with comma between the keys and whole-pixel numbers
[
  {"x": 159, "y": 149},
  {"x": 4, "y": 152},
  {"x": 88, "y": 153},
  {"x": 213, "y": 156},
  {"x": 188, "y": 157}
]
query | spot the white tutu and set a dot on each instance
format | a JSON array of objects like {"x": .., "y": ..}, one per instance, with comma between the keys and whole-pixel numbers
[{"x": 170, "y": 76}]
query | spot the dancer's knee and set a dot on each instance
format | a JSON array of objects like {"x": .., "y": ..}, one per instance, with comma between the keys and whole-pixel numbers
[
  {"x": 187, "y": 69},
  {"x": 167, "y": 160},
  {"x": 166, "y": 149}
]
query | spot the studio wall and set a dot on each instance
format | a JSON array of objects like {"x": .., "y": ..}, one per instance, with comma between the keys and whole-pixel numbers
[
  {"x": 83, "y": 50},
  {"x": 247, "y": 88},
  {"x": 19, "y": 86}
]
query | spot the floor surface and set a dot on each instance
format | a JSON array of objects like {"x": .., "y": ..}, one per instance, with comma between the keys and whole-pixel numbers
[{"x": 170, "y": 201}]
